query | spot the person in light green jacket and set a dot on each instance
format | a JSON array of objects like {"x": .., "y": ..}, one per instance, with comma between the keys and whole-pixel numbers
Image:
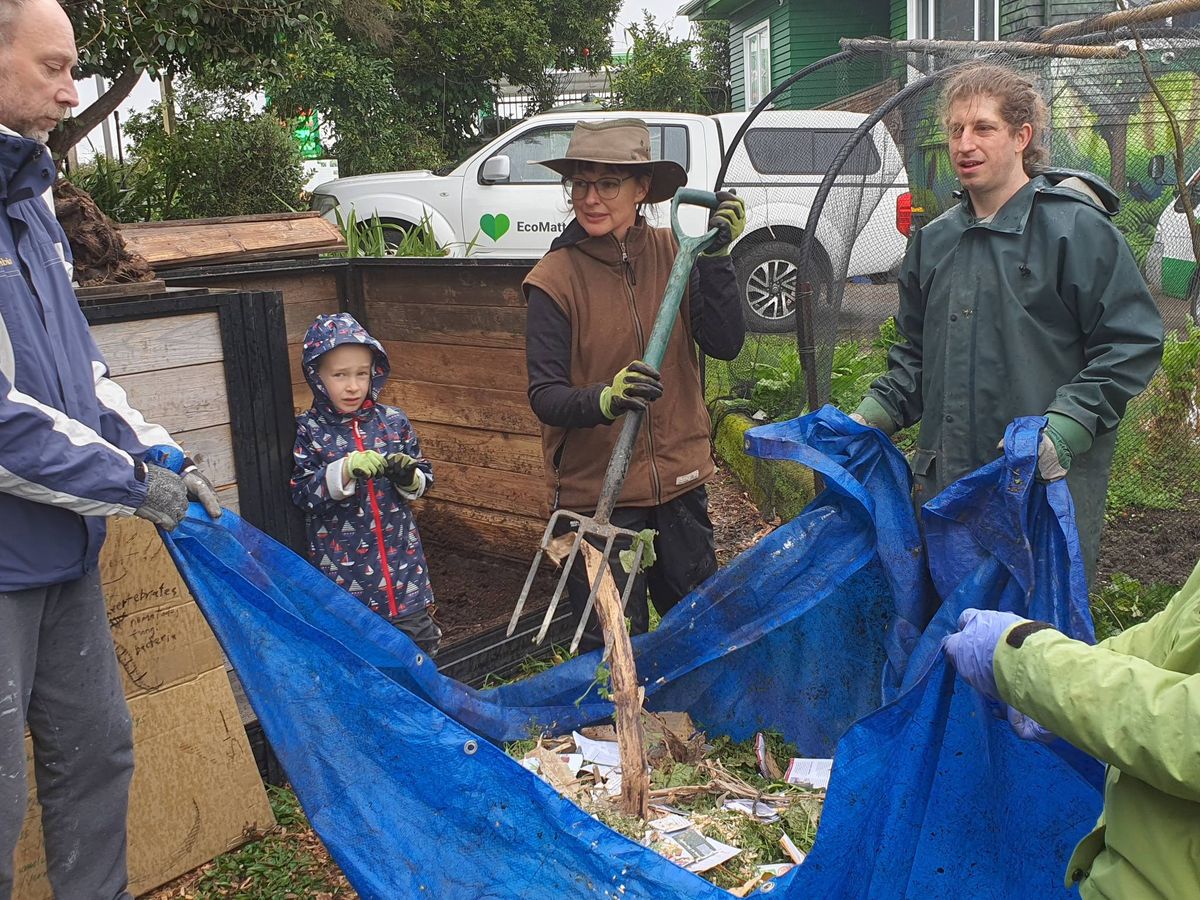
[
  {"x": 1022, "y": 300},
  {"x": 1133, "y": 702}
]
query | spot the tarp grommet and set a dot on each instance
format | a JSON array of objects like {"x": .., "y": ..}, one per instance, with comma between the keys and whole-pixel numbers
[
  {"x": 470, "y": 747},
  {"x": 420, "y": 658}
]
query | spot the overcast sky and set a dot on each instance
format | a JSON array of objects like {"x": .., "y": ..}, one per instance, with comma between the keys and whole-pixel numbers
[{"x": 662, "y": 10}]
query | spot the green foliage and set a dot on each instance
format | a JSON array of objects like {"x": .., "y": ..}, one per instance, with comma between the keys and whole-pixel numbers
[
  {"x": 712, "y": 56},
  {"x": 125, "y": 192},
  {"x": 659, "y": 72},
  {"x": 180, "y": 37},
  {"x": 275, "y": 865},
  {"x": 221, "y": 160},
  {"x": 404, "y": 86},
  {"x": 1125, "y": 602},
  {"x": 1157, "y": 459}
]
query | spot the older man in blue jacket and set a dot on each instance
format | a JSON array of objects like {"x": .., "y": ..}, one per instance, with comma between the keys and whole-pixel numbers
[{"x": 71, "y": 452}]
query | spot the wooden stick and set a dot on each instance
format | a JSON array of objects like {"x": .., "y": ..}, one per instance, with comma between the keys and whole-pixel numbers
[
  {"x": 627, "y": 694},
  {"x": 1154, "y": 12},
  {"x": 1013, "y": 48}
]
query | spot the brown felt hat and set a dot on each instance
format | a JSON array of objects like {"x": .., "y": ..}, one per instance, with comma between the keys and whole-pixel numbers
[{"x": 620, "y": 142}]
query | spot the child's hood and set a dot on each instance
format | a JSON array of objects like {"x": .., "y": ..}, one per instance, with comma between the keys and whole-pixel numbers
[{"x": 329, "y": 331}]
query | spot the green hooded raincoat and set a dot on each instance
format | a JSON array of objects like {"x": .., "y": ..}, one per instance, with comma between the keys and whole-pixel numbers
[
  {"x": 1041, "y": 309},
  {"x": 1132, "y": 701}
]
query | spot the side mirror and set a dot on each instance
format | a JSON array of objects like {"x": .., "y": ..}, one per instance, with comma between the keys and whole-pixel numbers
[
  {"x": 1156, "y": 168},
  {"x": 495, "y": 170}
]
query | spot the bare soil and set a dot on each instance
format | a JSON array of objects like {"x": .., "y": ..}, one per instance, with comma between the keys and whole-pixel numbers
[
  {"x": 477, "y": 593},
  {"x": 1151, "y": 545}
]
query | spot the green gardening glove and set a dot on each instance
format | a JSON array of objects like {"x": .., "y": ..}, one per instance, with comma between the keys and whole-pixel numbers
[
  {"x": 635, "y": 386},
  {"x": 365, "y": 464},
  {"x": 730, "y": 221},
  {"x": 402, "y": 472}
]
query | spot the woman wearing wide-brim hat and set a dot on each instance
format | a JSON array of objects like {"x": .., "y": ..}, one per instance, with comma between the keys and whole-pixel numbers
[{"x": 592, "y": 302}]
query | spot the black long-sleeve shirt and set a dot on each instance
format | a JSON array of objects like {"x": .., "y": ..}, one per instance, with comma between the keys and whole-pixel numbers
[{"x": 717, "y": 325}]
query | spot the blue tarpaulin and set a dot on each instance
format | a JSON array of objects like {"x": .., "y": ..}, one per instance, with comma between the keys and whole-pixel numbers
[{"x": 828, "y": 631}]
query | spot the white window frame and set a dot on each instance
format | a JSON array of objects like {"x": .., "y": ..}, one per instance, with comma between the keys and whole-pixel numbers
[
  {"x": 914, "y": 19},
  {"x": 753, "y": 92}
]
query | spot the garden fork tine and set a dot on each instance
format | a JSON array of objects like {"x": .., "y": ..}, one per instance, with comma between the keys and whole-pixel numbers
[{"x": 598, "y": 524}]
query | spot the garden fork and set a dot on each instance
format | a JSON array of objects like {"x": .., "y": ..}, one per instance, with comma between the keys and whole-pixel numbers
[{"x": 598, "y": 525}]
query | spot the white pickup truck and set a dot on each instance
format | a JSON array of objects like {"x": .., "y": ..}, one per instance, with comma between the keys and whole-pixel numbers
[{"x": 499, "y": 202}]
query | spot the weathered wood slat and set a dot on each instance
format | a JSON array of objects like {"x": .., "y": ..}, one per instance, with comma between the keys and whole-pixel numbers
[
  {"x": 180, "y": 399},
  {"x": 469, "y": 407},
  {"x": 486, "y": 531},
  {"x": 459, "y": 364},
  {"x": 508, "y": 492},
  {"x": 479, "y": 326},
  {"x": 167, "y": 244},
  {"x": 449, "y": 286},
  {"x": 520, "y": 453},
  {"x": 150, "y": 345},
  {"x": 299, "y": 315},
  {"x": 212, "y": 450}
]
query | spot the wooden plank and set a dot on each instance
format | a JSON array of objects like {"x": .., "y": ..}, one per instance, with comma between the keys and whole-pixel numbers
[
  {"x": 297, "y": 317},
  {"x": 510, "y": 492},
  {"x": 476, "y": 530},
  {"x": 469, "y": 407},
  {"x": 212, "y": 450},
  {"x": 186, "y": 243},
  {"x": 520, "y": 453},
  {"x": 480, "y": 326},
  {"x": 502, "y": 368},
  {"x": 125, "y": 291},
  {"x": 180, "y": 399},
  {"x": 221, "y": 220},
  {"x": 449, "y": 285},
  {"x": 150, "y": 345}
]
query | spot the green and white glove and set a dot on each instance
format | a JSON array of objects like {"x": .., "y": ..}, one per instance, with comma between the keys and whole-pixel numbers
[
  {"x": 365, "y": 464},
  {"x": 402, "y": 472},
  {"x": 729, "y": 219},
  {"x": 634, "y": 387}
]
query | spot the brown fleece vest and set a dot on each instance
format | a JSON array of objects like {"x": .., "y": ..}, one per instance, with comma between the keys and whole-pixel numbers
[{"x": 611, "y": 306}]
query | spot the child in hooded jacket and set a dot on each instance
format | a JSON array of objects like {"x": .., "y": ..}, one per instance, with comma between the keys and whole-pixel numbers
[{"x": 358, "y": 464}]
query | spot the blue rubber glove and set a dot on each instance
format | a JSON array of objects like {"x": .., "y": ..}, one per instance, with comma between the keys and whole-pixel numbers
[
  {"x": 973, "y": 647},
  {"x": 1027, "y": 729}
]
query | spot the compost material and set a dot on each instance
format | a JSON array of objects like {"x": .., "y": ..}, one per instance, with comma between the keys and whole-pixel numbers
[{"x": 99, "y": 251}]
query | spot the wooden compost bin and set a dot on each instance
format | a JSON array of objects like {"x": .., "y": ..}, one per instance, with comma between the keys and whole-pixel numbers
[{"x": 454, "y": 330}]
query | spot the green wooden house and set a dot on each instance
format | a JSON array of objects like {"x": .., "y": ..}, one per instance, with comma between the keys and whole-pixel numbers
[{"x": 771, "y": 39}]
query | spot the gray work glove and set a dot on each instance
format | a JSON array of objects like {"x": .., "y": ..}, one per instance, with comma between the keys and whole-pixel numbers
[
  {"x": 166, "y": 500},
  {"x": 200, "y": 489}
]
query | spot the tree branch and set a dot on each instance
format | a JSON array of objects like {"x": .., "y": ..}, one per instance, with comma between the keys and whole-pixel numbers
[{"x": 74, "y": 130}]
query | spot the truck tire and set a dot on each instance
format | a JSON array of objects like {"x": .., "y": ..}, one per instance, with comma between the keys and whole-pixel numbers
[{"x": 766, "y": 275}]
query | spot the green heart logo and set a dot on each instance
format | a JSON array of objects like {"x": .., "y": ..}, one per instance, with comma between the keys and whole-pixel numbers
[{"x": 494, "y": 226}]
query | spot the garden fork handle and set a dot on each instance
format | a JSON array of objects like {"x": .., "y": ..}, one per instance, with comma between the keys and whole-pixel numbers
[{"x": 690, "y": 247}]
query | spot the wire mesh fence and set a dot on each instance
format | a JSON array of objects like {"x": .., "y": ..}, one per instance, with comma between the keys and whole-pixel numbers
[{"x": 848, "y": 159}]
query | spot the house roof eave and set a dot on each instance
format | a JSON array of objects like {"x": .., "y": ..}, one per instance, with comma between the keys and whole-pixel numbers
[{"x": 700, "y": 10}]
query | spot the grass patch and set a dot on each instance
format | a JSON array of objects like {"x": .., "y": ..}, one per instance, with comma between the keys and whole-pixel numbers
[{"x": 286, "y": 862}]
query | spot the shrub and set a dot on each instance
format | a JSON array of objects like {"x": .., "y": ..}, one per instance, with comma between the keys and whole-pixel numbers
[{"x": 220, "y": 160}]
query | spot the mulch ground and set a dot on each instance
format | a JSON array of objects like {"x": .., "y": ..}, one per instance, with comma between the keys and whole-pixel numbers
[{"x": 1151, "y": 545}]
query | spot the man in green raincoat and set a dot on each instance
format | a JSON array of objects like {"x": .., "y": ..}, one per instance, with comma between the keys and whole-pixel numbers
[
  {"x": 1022, "y": 300},
  {"x": 1132, "y": 701}
]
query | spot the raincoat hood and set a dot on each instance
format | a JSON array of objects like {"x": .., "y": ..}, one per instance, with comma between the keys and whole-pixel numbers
[{"x": 330, "y": 331}]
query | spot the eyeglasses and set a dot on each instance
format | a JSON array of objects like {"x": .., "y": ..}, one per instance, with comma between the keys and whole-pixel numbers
[{"x": 607, "y": 187}]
